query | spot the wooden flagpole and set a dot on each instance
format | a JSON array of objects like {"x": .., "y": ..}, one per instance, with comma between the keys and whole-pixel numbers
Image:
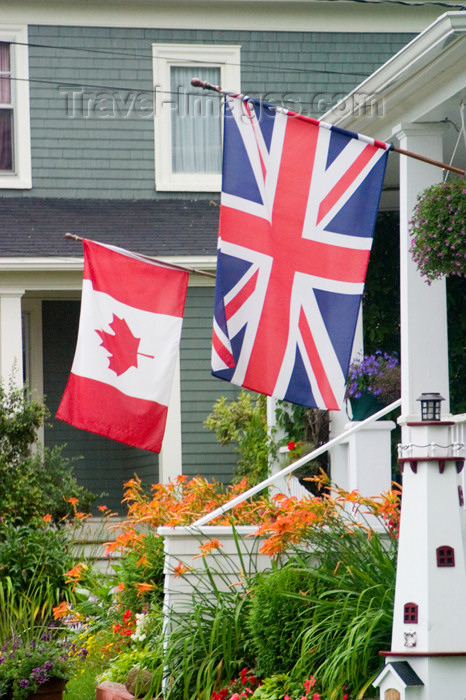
[
  {"x": 192, "y": 270},
  {"x": 196, "y": 82}
]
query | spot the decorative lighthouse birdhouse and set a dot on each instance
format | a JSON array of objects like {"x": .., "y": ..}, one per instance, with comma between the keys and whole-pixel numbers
[{"x": 427, "y": 660}]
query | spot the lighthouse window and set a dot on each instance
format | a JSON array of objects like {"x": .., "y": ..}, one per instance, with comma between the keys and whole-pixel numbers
[
  {"x": 410, "y": 613},
  {"x": 445, "y": 556}
]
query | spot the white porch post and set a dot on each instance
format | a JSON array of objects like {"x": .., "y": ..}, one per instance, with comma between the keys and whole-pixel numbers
[
  {"x": 340, "y": 467},
  {"x": 170, "y": 454},
  {"x": 11, "y": 340},
  {"x": 424, "y": 344}
]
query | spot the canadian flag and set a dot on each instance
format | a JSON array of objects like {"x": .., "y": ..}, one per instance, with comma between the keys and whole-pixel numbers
[{"x": 128, "y": 339}]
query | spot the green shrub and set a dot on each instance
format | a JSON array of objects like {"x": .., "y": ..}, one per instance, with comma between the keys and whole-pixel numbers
[
  {"x": 33, "y": 480},
  {"x": 144, "y": 564},
  {"x": 331, "y": 604},
  {"x": 243, "y": 422},
  {"x": 280, "y": 609},
  {"x": 34, "y": 553},
  {"x": 352, "y": 609}
]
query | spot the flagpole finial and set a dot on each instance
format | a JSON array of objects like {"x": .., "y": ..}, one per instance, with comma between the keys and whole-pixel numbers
[
  {"x": 205, "y": 85},
  {"x": 73, "y": 237}
]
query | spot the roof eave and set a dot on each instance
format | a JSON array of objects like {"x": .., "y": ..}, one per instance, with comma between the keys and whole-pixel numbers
[{"x": 386, "y": 97}]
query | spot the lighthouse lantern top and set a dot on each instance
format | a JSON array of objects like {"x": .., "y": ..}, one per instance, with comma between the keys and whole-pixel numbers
[{"x": 430, "y": 406}]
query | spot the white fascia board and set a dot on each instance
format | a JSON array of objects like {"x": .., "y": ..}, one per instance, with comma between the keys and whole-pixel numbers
[
  {"x": 265, "y": 15},
  {"x": 415, "y": 80},
  {"x": 52, "y": 264},
  {"x": 206, "y": 263}
]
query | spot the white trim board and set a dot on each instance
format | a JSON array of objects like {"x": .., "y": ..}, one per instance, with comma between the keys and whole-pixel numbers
[{"x": 265, "y": 15}]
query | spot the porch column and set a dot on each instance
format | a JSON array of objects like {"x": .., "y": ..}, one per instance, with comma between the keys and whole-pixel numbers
[
  {"x": 170, "y": 455},
  {"x": 11, "y": 340},
  {"x": 341, "y": 472},
  {"x": 424, "y": 343}
]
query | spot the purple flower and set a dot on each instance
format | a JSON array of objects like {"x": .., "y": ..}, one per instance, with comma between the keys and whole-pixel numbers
[{"x": 23, "y": 683}]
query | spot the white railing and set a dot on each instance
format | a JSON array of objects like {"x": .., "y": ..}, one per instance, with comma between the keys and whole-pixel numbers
[
  {"x": 458, "y": 430},
  {"x": 458, "y": 435},
  {"x": 291, "y": 467}
]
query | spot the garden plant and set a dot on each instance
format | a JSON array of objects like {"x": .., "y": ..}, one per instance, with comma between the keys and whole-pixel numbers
[
  {"x": 329, "y": 565},
  {"x": 310, "y": 626}
]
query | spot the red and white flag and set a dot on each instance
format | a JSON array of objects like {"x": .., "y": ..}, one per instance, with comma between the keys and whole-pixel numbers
[{"x": 128, "y": 340}]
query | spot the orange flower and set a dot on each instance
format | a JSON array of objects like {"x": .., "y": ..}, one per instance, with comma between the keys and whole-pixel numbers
[
  {"x": 125, "y": 540},
  {"x": 144, "y": 588},
  {"x": 47, "y": 518},
  {"x": 73, "y": 500},
  {"x": 143, "y": 561},
  {"x": 76, "y": 573},
  {"x": 208, "y": 547},
  {"x": 179, "y": 569},
  {"x": 62, "y": 610},
  {"x": 81, "y": 516},
  {"x": 65, "y": 610}
]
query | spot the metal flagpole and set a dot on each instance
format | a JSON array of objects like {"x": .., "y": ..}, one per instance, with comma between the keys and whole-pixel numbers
[
  {"x": 74, "y": 237},
  {"x": 196, "y": 82}
]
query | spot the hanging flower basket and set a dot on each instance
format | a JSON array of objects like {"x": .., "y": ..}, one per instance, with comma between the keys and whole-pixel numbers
[{"x": 437, "y": 229}]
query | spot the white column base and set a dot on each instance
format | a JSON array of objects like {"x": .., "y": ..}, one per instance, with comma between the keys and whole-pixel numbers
[{"x": 369, "y": 468}]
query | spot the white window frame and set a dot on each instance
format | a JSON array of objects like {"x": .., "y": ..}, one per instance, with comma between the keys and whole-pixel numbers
[
  {"x": 225, "y": 57},
  {"x": 20, "y": 177}
]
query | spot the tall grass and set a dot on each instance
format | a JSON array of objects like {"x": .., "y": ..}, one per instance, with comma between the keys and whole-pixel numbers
[
  {"x": 208, "y": 641},
  {"x": 352, "y": 608},
  {"x": 26, "y": 612}
]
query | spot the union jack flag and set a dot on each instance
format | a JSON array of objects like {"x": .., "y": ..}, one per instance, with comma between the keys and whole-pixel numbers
[{"x": 298, "y": 208}]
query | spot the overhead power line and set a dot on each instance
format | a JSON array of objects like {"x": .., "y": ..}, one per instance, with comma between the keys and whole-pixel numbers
[{"x": 194, "y": 61}]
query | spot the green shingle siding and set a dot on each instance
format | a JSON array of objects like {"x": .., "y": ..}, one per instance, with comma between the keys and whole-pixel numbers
[
  {"x": 201, "y": 452},
  {"x": 89, "y": 156}
]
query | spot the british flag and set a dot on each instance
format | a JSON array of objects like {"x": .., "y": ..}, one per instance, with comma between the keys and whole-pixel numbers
[{"x": 298, "y": 208}]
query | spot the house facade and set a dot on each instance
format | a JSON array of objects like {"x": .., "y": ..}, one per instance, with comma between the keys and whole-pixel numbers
[{"x": 102, "y": 136}]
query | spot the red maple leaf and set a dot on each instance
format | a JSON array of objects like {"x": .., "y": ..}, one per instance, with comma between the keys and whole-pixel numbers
[{"x": 122, "y": 346}]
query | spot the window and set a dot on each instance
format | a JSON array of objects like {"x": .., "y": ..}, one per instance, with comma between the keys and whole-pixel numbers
[
  {"x": 445, "y": 556},
  {"x": 188, "y": 121},
  {"x": 6, "y": 109},
  {"x": 410, "y": 613},
  {"x": 15, "y": 148}
]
